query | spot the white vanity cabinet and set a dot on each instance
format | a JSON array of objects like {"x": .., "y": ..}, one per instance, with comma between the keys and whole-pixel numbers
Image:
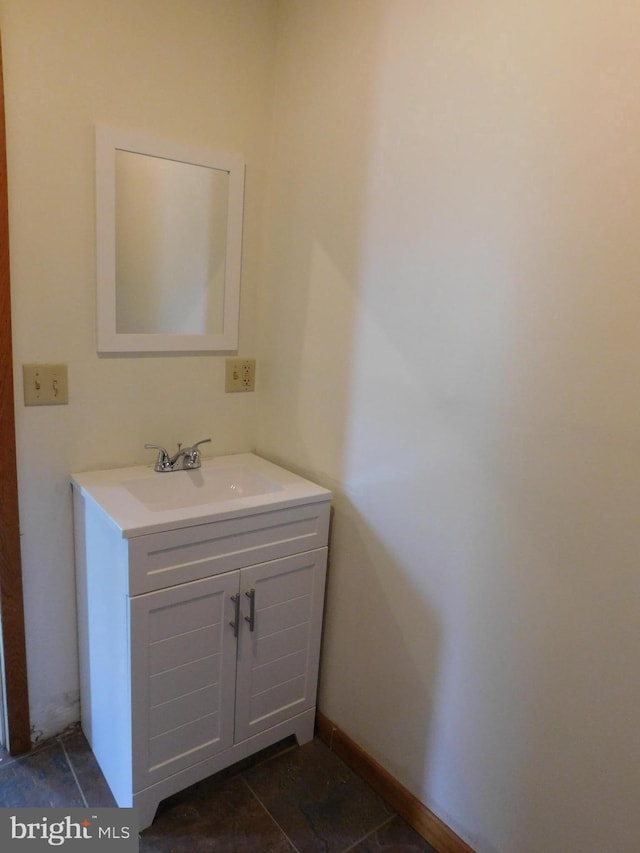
[
  {"x": 199, "y": 644},
  {"x": 197, "y": 688}
]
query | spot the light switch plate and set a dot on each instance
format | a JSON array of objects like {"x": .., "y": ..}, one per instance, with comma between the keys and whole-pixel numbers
[
  {"x": 240, "y": 374},
  {"x": 45, "y": 384}
]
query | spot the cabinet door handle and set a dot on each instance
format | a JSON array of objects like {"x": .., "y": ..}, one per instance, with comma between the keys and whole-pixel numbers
[
  {"x": 236, "y": 622},
  {"x": 251, "y": 618}
]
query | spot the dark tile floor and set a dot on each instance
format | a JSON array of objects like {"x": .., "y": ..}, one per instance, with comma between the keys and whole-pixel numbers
[{"x": 287, "y": 799}]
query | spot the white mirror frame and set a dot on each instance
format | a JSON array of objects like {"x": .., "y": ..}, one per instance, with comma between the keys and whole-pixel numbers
[{"x": 109, "y": 340}]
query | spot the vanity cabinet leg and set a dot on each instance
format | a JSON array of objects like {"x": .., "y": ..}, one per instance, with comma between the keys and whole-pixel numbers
[
  {"x": 146, "y": 805},
  {"x": 305, "y": 727}
]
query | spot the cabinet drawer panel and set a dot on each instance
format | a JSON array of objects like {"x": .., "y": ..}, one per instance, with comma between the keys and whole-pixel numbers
[
  {"x": 183, "y": 679},
  {"x": 177, "y": 651},
  {"x": 171, "y": 746},
  {"x": 183, "y": 710},
  {"x": 159, "y": 560}
]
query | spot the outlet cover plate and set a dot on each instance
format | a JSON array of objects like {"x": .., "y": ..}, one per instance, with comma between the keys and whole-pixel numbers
[{"x": 240, "y": 375}]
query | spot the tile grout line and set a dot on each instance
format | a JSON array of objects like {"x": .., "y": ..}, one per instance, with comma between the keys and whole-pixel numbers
[
  {"x": 73, "y": 772},
  {"x": 263, "y": 806},
  {"x": 367, "y": 834}
]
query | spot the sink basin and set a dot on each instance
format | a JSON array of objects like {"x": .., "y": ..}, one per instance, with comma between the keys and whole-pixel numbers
[{"x": 202, "y": 486}]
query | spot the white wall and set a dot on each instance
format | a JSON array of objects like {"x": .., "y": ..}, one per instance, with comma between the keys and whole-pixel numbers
[
  {"x": 449, "y": 337},
  {"x": 200, "y": 71}
]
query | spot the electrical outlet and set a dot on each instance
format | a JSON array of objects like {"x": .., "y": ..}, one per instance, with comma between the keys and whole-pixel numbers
[
  {"x": 45, "y": 384},
  {"x": 240, "y": 374}
]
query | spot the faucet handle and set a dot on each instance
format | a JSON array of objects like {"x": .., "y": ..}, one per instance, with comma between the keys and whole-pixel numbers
[
  {"x": 163, "y": 462},
  {"x": 192, "y": 454}
]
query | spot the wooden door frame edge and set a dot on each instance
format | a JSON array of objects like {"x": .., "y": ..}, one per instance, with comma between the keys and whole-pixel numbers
[{"x": 17, "y": 725}]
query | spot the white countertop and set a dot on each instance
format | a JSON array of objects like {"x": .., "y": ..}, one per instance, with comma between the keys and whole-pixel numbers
[{"x": 112, "y": 490}]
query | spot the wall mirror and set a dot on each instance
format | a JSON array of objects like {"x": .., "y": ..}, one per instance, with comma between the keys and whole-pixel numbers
[{"x": 169, "y": 244}]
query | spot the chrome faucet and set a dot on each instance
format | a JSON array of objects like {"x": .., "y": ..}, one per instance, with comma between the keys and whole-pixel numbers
[{"x": 185, "y": 459}]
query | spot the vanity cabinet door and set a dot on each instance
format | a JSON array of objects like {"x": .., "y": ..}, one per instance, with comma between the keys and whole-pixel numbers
[
  {"x": 279, "y": 648},
  {"x": 183, "y": 652}
]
